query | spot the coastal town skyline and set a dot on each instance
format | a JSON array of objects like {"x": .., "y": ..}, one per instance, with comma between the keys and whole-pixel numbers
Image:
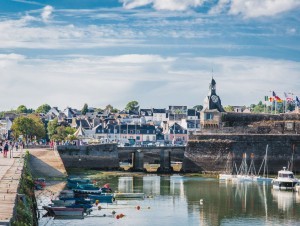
[{"x": 159, "y": 53}]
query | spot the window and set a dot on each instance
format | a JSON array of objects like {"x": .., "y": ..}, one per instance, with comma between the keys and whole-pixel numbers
[
  {"x": 131, "y": 131},
  {"x": 147, "y": 138},
  {"x": 147, "y": 131},
  {"x": 124, "y": 131},
  {"x": 138, "y": 132},
  {"x": 138, "y": 138}
]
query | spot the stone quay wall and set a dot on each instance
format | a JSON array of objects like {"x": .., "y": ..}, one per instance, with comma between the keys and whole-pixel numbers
[
  {"x": 208, "y": 153},
  {"x": 102, "y": 156},
  {"x": 151, "y": 154}
]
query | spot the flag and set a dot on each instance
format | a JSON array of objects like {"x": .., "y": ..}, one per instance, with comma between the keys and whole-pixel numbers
[
  {"x": 277, "y": 98},
  {"x": 287, "y": 98},
  {"x": 297, "y": 102},
  {"x": 271, "y": 99},
  {"x": 266, "y": 98}
]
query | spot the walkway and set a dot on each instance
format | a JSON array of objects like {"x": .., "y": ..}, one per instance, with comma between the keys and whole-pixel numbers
[{"x": 10, "y": 174}]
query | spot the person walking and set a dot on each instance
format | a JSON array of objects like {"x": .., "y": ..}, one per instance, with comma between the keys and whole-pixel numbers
[
  {"x": 5, "y": 149},
  {"x": 17, "y": 145},
  {"x": 1, "y": 148}
]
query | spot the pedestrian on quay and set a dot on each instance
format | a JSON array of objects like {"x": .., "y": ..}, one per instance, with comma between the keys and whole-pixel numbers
[
  {"x": 16, "y": 145},
  {"x": 1, "y": 147},
  {"x": 5, "y": 149}
]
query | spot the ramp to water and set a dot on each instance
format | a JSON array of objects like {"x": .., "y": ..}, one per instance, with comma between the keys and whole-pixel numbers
[{"x": 46, "y": 163}]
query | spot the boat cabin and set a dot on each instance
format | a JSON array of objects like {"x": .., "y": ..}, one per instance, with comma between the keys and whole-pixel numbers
[{"x": 285, "y": 173}]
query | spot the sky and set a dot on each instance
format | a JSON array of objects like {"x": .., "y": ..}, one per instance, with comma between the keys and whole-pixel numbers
[{"x": 157, "y": 52}]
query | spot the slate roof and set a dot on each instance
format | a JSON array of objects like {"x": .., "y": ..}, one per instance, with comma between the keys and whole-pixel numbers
[{"x": 154, "y": 110}]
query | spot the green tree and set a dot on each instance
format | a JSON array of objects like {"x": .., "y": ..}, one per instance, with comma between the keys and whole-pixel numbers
[
  {"x": 51, "y": 129},
  {"x": 29, "y": 127},
  {"x": 62, "y": 133},
  {"x": 132, "y": 106},
  {"x": 22, "y": 109},
  {"x": 45, "y": 108},
  {"x": 111, "y": 109},
  {"x": 198, "y": 107},
  {"x": 228, "y": 108},
  {"x": 84, "y": 109}
]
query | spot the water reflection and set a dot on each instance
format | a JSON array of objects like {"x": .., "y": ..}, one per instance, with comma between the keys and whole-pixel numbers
[
  {"x": 284, "y": 199},
  {"x": 221, "y": 202}
]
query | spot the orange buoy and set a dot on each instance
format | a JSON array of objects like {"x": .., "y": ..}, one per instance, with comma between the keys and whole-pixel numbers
[{"x": 118, "y": 217}]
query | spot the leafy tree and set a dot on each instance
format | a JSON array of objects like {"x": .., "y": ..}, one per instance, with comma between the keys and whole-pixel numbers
[
  {"x": 45, "y": 108},
  {"x": 228, "y": 108},
  {"x": 51, "y": 129},
  {"x": 59, "y": 132},
  {"x": 111, "y": 109},
  {"x": 132, "y": 106},
  {"x": 29, "y": 126},
  {"x": 84, "y": 109},
  {"x": 62, "y": 133},
  {"x": 22, "y": 109},
  {"x": 198, "y": 107}
]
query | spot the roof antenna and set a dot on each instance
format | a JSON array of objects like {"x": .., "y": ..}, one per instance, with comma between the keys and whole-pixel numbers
[{"x": 212, "y": 72}]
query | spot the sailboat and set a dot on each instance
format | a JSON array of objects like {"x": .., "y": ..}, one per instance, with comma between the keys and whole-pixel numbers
[
  {"x": 247, "y": 173},
  {"x": 227, "y": 175},
  {"x": 264, "y": 164}
]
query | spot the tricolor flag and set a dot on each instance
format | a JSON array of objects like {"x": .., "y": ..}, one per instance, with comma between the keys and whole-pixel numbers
[
  {"x": 277, "y": 98},
  {"x": 297, "y": 102},
  {"x": 287, "y": 98}
]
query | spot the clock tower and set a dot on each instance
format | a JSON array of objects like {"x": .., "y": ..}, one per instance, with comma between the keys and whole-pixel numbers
[{"x": 213, "y": 101}]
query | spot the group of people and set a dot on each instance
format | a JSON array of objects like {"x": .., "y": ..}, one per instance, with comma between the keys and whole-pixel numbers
[{"x": 6, "y": 146}]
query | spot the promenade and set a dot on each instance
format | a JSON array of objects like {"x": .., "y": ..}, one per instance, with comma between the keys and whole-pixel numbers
[{"x": 10, "y": 174}]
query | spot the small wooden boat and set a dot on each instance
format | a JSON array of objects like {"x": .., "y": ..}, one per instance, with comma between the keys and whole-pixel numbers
[
  {"x": 129, "y": 195},
  {"x": 82, "y": 186},
  {"x": 64, "y": 211},
  {"x": 79, "y": 181},
  {"x": 65, "y": 202},
  {"x": 104, "y": 198},
  {"x": 86, "y": 192},
  {"x": 66, "y": 194}
]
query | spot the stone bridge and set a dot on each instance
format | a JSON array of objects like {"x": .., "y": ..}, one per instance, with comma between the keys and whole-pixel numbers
[{"x": 109, "y": 156}]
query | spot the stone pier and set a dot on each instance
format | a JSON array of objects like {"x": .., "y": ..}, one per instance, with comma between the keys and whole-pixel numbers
[
  {"x": 138, "y": 161},
  {"x": 10, "y": 173},
  {"x": 165, "y": 162}
]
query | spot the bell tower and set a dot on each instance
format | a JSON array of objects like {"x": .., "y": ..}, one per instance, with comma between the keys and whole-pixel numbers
[{"x": 213, "y": 101}]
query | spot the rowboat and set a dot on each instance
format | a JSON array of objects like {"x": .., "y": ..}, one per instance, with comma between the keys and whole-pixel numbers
[
  {"x": 79, "y": 181},
  {"x": 104, "y": 198},
  {"x": 64, "y": 211},
  {"x": 83, "y": 192},
  {"x": 129, "y": 195}
]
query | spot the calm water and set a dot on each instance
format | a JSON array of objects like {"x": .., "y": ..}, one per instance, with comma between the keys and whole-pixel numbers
[{"x": 175, "y": 200}]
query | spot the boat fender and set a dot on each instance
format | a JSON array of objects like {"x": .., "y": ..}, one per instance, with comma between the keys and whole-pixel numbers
[
  {"x": 118, "y": 217},
  {"x": 113, "y": 212},
  {"x": 201, "y": 201},
  {"x": 138, "y": 207},
  {"x": 99, "y": 207}
]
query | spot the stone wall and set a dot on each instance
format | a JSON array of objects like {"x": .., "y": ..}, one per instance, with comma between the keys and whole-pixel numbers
[
  {"x": 208, "y": 153},
  {"x": 151, "y": 154},
  {"x": 102, "y": 156}
]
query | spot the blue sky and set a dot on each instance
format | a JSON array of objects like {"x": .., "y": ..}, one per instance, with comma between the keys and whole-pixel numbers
[{"x": 158, "y": 52}]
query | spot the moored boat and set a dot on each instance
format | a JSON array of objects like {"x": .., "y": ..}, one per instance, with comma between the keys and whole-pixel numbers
[
  {"x": 129, "y": 195},
  {"x": 285, "y": 180},
  {"x": 64, "y": 211}
]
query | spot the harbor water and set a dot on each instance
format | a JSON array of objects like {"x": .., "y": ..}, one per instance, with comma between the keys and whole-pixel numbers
[{"x": 178, "y": 200}]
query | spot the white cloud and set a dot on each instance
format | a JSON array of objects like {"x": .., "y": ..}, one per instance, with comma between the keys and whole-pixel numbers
[
  {"x": 258, "y": 8},
  {"x": 46, "y": 14},
  {"x": 220, "y": 7},
  {"x": 153, "y": 80},
  {"x": 173, "y": 5}
]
